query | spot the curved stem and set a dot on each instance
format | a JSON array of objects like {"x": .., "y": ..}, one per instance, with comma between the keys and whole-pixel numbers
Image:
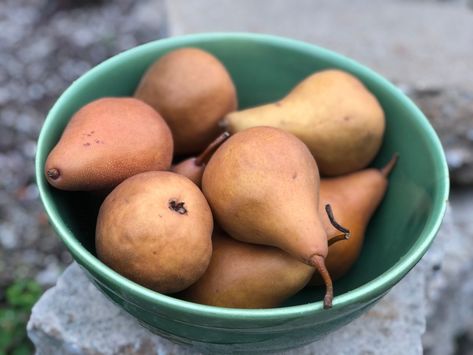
[
  {"x": 386, "y": 170},
  {"x": 318, "y": 262},
  {"x": 342, "y": 229},
  {"x": 205, "y": 156},
  {"x": 337, "y": 238}
]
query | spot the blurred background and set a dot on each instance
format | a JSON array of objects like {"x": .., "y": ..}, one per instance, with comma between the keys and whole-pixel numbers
[{"x": 424, "y": 46}]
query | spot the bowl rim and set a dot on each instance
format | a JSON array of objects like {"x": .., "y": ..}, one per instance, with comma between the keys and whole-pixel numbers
[{"x": 374, "y": 288}]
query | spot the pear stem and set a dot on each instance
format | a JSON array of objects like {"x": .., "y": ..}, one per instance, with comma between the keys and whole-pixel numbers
[
  {"x": 329, "y": 211},
  {"x": 337, "y": 238},
  {"x": 205, "y": 156},
  {"x": 386, "y": 170},
  {"x": 318, "y": 262}
]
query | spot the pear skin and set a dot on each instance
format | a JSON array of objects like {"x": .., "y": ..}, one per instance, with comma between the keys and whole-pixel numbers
[
  {"x": 107, "y": 141},
  {"x": 244, "y": 275},
  {"x": 332, "y": 112},
  {"x": 155, "y": 228},
  {"x": 354, "y": 199},
  {"x": 193, "y": 168},
  {"x": 192, "y": 90},
  {"x": 262, "y": 185}
]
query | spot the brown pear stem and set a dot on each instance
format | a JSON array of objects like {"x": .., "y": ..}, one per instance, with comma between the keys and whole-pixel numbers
[
  {"x": 205, "y": 156},
  {"x": 342, "y": 229},
  {"x": 338, "y": 238},
  {"x": 318, "y": 262},
  {"x": 386, "y": 170}
]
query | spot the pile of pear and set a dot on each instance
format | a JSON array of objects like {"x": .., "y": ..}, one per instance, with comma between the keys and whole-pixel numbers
[{"x": 220, "y": 206}]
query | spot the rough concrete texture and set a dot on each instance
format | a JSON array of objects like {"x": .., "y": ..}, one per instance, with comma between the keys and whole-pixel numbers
[
  {"x": 75, "y": 318},
  {"x": 425, "y": 47},
  {"x": 451, "y": 113},
  {"x": 450, "y": 280}
]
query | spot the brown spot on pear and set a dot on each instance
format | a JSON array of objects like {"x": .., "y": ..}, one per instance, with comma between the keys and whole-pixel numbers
[
  {"x": 131, "y": 136},
  {"x": 165, "y": 254},
  {"x": 192, "y": 90}
]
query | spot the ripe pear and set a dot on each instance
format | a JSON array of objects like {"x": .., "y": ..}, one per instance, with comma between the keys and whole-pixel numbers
[
  {"x": 107, "y": 141},
  {"x": 244, "y": 275},
  {"x": 193, "y": 168},
  {"x": 155, "y": 228},
  {"x": 354, "y": 198},
  {"x": 192, "y": 90},
  {"x": 332, "y": 112},
  {"x": 262, "y": 185}
]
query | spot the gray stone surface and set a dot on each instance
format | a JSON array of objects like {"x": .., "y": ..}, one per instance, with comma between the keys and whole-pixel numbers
[
  {"x": 451, "y": 112},
  {"x": 75, "y": 318},
  {"x": 44, "y": 46},
  {"x": 423, "y": 46},
  {"x": 450, "y": 288}
]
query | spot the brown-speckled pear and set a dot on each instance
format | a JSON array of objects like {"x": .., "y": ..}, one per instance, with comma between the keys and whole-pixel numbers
[
  {"x": 192, "y": 90},
  {"x": 155, "y": 228},
  {"x": 354, "y": 198},
  {"x": 193, "y": 168},
  {"x": 262, "y": 185},
  {"x": 244, "y": 275},
  {"x": 107, "y": 141},
  {"x": 332, "y": 112}
]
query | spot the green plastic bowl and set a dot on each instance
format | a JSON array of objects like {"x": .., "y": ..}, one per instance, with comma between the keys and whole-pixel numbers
[{"x": 264, "y": 69}]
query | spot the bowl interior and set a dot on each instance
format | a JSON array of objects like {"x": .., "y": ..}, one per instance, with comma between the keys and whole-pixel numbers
[{"x": 264, "y": 69}]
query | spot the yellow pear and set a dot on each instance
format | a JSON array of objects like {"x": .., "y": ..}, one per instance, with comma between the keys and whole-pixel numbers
[{"x": 332, "y": 112}]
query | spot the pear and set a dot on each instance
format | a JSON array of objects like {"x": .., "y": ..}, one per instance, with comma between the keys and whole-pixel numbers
[
  {"x": 243, "y": 275},
  {"x": 192, "y": 90},
  {"x": 332, "y": 112},
  {"x": 107, "y": 141},
  {"x": 155, "y": 228},
  {"x": 354, "y": 198},
  {"x": 262, "y": 185},
  {"x": 193, "y": 168}
]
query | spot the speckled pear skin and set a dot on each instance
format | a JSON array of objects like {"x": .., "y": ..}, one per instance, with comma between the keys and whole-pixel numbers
[
  {"x": 263, "y": 187},
  {"x": 107, "y": 141},
  {"x": 192, "y": 90},
  {"x": 155, "y": 228},
  {"x": 332, "y": 112}
]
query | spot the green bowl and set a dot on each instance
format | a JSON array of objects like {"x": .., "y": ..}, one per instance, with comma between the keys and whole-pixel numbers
[{"x": 264, "y": 69}]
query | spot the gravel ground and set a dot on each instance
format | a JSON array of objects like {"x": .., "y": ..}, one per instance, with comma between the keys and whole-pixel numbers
[{"x": 44, "y": 46}]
